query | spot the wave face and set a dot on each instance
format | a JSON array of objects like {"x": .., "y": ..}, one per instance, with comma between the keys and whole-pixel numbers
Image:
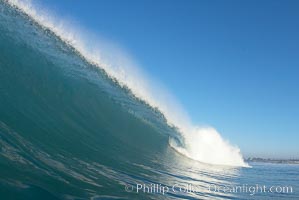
[
  {"x": 72, "y": 127},
  {"x": 202, "y": 144}
]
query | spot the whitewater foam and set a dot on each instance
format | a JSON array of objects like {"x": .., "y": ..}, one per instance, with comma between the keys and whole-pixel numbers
[{"x": 202, "y": 144}]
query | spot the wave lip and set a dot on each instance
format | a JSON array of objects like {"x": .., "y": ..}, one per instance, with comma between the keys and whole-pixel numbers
[{"x": 202, "y": 144}]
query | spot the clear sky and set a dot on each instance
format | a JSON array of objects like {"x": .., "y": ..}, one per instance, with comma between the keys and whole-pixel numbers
[{"x": 233, "y": 65}]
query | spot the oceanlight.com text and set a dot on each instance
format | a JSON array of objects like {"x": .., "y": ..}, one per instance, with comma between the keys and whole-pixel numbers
[{"x": 251, "y": 190}]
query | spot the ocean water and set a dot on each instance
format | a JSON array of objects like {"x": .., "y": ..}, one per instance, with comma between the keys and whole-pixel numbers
[{"x": 69, "y": 131}]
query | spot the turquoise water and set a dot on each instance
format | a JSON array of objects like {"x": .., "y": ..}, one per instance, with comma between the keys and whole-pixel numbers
[{"x": 67, "y": 131}]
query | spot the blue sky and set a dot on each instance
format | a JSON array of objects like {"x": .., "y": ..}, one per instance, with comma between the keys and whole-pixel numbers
[{"x": 233, "y": 65}]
